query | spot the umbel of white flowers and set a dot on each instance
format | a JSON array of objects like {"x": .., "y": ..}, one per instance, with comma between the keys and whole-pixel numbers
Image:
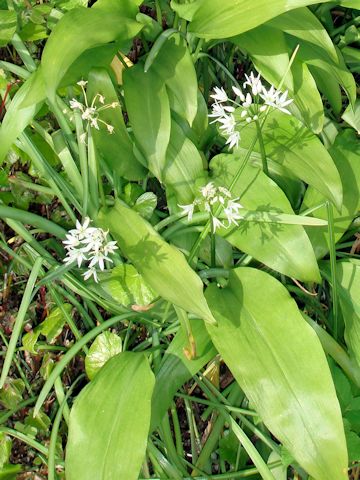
[
  {"x": 88, "y": 244},
  {"x": 91, "y": 113},
  {"x": 253, "y": 105},
  {"x": 218, "y": 202}
]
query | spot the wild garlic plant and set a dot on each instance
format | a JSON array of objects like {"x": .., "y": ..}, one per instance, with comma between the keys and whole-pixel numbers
[
  {"x": 253, "y": 105},
  {"x": 88, "y": 244}
]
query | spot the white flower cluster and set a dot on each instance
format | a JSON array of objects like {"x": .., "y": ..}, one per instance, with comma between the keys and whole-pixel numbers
[
  {"x": 253, "y": 105},
  {"x": 88, "y": 244},
  {"x": 90, "y": 113},
  {"x": 213, "y": 197}
]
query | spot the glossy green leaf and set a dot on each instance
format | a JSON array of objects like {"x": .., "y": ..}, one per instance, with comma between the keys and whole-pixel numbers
[
  {"x": 289, "y": 143},
  {"x": 226, "y": 18},
  {"x": 174, "y": 65},
  {"x": 105, "y": 346},
  {"x": 127, "y": 286},
  {"x": 7, "y": 26},
  {"x": 145, "y": 204},
  {"x": 302, "y": 23},
  {"x": 79, "y": 30},
  {"x": 16, "y": 117},
  {"x": 285, "y": 248},
  {"x": 352, "y": 116},
  {"x": 278, "y": 361},
  {"x": 183, "y": 167},
  {"x": 176, "y": 369},
  {"x": 345, "y": 152},
  {"x": 348, "y": 278},
  {"x": 116, "y": 148},
  {"x": 103, "y": 424},
  {"x": 149, "y": 115},
  {"x": 162, "y": 266}
]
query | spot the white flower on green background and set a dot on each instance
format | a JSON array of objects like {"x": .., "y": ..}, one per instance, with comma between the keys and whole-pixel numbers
[
  {"x": 253, "y": 104},
  {"x": 86, "y": 244}
]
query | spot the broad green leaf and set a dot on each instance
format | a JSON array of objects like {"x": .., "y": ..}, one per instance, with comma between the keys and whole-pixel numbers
[
  {"x": 270, "y": 53},
  {"x": 111, "y": 417},
  {"x": 146, "y": 204},
  {"x": 175, "y": 67},
  {"x": 321, "y": 63},
  {"x": 16, "y": 117},
  {"x": 352, "y": 116},
  {"x": 79, "y": 30},
  {"x": 282, "y": 247},
  {"x": 7, "y": 26},
  {"x": 127, "y": 286},
  {"x": 225, "y": 18},
  {"x": 292, "y": 145},
  {"x": 11, "y": 393},
  {"x": 348, "y": 277},
  {"x": 117, "y": 148},
  {"x": 149, "y": 115},
  {"x": 161, "y": 265},
  {"x": 345, "y": 151},
  {"x": 302, "y": 23},
  {"x": 277, "y": 359},
  {"x": 183, "y": 167},
  {"x": 176, "y": 369},
  {"x": 105, "y": 346}
]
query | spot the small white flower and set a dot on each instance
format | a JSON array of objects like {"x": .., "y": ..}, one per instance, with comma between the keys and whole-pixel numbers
[
  {"x": 188, "y": 210},
  {"x": 254, "y": 83},
  {"x": 82, "y": 83},
  {"x": 208, "y": 191},
  {"x": 220, "y": 95},
  {"x": 276, "y": 99},
  {"x": 75, "y": 104},
  {"x": 110, "y": 247},
  {"x": 101, "y": 99},
  {"x": 217, "y": 223},
  {"x": 233, "y": 140},
  {"x": 239, "y": 93},
  {"x": 75, "y": 255},
  {"x": 83, "y": 137},
  {"x": 228, "y": 124},
  {"x": 248, "y": 101},
  {"x": 90, "y": 273},
  {"x": 99, "y": 258}
]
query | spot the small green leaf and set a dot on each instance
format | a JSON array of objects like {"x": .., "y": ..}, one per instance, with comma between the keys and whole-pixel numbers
[
  {"x": 11, "y": 393},
  {"x": 161, "y": 265},
  {"x": 111, "y": 416},
  {"x": 127, "y": 286},
  {"x": 146, "y": 204},
  {"x": 105, "y": 346},
  {"x": 352, "y": 116},
  {"x": 5, "y": 449},
  {"x": 53, "y": 324}
]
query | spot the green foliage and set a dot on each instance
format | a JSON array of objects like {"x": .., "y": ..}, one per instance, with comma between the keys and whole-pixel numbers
[{"x": 168, "y": 242}]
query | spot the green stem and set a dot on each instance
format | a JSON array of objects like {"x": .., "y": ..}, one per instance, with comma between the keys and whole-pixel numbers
[
  {"x": 24, "y": 438},
  {"x": 262, "y": 148},
  {"x": 213, "y": 244}
]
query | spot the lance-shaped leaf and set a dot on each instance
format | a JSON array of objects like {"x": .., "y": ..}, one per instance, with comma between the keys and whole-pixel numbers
[
  {"x": 148, "y": 109},
  {"x": 345, "y": 152},
  {"x": 78, "y": 31},
  {"x": 116, "y": 149},
  {"x": 278, "y": 361},
  {"x": 161, "y": 265},
  {"x": 106, "y": 439},
  {"x": 225, "y": 18},
  {"x": 289, "y": 143},
  {"x": 284, "y": 248}
]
